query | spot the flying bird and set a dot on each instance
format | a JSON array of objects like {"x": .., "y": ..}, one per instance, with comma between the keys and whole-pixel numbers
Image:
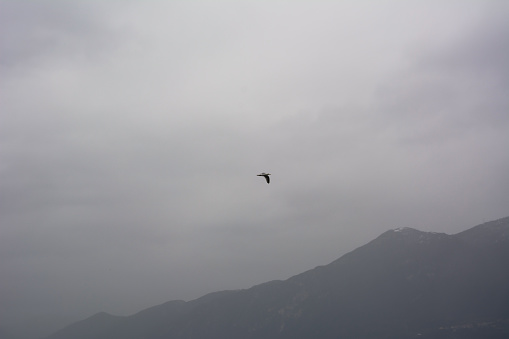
[{"x": 265, "y": 175}]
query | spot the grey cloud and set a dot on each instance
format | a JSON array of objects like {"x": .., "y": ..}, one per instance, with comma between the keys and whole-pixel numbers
[{"x": 37, "y": 32}]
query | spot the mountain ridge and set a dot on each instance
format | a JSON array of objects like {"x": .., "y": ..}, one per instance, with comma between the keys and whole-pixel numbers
[{"x": 402, "y": 284}]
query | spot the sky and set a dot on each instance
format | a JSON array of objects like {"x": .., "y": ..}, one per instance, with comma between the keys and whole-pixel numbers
[{"x": 132, "y": 131}]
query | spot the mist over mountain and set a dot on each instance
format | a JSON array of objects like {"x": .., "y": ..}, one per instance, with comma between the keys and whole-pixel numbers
[{"x": 403, "y": 284}]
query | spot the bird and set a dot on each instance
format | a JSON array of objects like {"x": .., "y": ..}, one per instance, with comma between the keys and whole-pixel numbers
[{"x": 265, "y": 175}]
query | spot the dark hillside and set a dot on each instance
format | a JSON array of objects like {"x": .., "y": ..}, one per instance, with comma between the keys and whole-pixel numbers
[{"x": 403, "y": 284}]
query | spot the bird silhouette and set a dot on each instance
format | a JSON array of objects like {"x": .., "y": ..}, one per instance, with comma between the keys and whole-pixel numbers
[{"x": 265, "y": 175}]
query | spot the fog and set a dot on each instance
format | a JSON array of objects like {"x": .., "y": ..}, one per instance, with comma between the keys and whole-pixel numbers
[{"x": 132, "y": 132}]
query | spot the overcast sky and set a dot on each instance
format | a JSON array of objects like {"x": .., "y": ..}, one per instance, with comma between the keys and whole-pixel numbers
[{"x": 131, "y": 134}]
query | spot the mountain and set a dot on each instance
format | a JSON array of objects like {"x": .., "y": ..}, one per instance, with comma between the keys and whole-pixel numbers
[
  {"x": 403, "y": 284},
  {"x": 4, "y": 334}
]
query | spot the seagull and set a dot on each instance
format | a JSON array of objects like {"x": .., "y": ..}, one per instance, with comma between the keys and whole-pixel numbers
[{"x": 265, "y": 175}]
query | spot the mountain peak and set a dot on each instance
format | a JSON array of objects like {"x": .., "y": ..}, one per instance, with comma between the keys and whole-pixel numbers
[
  {"x": 412, "y": 236},
  {"x": 404, "y": 229}
]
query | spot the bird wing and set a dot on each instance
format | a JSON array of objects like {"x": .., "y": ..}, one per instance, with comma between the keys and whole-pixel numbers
[{"x": 267, "y": 178}]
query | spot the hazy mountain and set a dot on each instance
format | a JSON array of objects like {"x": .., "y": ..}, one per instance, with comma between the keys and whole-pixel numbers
[
  {"x": 4, "y": 334},
  {"x": 403, "y": 284}
]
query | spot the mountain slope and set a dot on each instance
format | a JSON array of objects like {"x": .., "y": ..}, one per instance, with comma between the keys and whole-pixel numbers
[
  {"x": 404, "y": 284},
  {"x": 6, "y": 334}
]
